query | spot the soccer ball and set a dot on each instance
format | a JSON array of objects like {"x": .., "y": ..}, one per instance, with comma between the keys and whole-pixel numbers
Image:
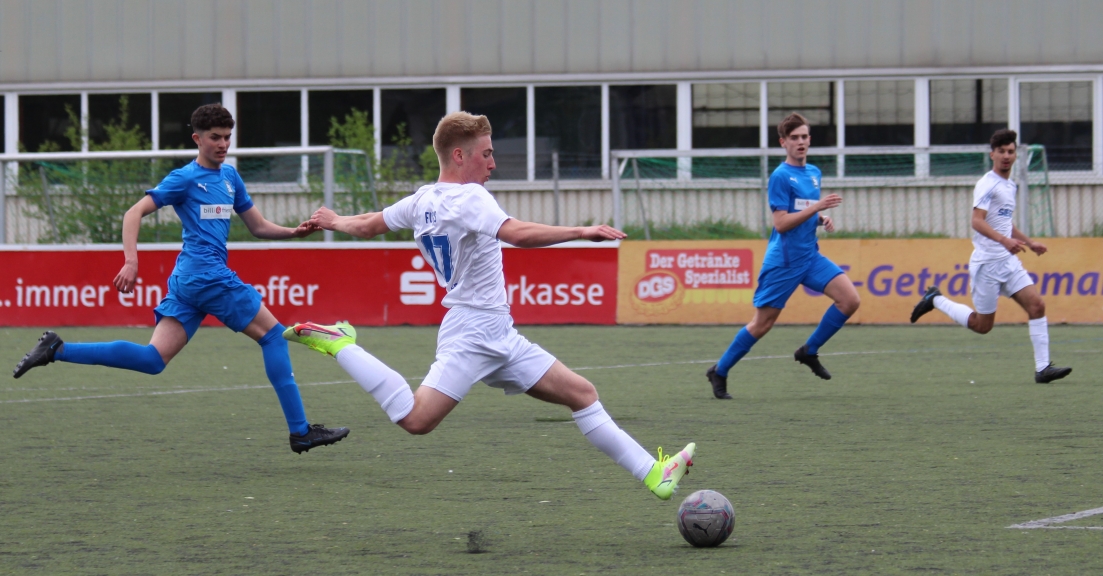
[{"x": 706, "y": 518}]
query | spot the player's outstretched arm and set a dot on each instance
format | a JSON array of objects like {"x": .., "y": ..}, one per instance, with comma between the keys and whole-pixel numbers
[
  {"x": 262, "y": 228},
  {"x": 532, "y": 235},
  {"x": 368, "y": 225},
  {"x": 132, "y": 223}
]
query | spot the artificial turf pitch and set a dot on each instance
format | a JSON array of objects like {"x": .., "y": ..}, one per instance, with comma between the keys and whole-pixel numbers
[{"x": 927, "y": 444}]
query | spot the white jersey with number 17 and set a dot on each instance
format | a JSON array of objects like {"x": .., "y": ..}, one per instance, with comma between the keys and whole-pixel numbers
[{"x": 456, "y": 228}]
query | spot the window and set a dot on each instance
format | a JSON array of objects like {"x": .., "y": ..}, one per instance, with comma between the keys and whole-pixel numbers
[
  {"x": 642, "y": 117},
  {"x": 410, "y": 116},
  {"x": 965, "y": 112},
  {"x": 506, "y": 108},
  {"x": 325, "y": 105},
  {"x": 816, "y": 102},
  {"x": 264, "y": 120},
  {"x": 1058, "y": 115},
  {"x": 725, "y": 115},
  {"x": 880, "y": 113},
  {"x": 174, "y": 116},
  {"x": 43, "y": 121},
  {"x": 568, "y": 121},
  {"x": 105, "y": 109}
]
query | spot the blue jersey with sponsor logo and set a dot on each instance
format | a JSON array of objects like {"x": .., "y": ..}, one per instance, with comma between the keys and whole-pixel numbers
[
  {"x": 203, "y": 200},
  {"x": 793, "y": 188}
]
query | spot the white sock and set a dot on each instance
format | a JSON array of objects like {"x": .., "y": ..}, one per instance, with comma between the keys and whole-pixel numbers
[
  {"x": 388, "y": 387},
  {"x": 1039, "y": 336},
  {"x": 598, "y": 427},
  {"x": 957, "y": 312}
]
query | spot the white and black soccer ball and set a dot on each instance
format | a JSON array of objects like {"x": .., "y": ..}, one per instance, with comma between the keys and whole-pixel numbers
[{"x": 706, "y": 518}]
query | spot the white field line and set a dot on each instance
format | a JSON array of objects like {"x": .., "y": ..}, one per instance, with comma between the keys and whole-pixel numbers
[
  {"x": 417, "y": 378},
  {"x": 1048, "y": 523},
  {"x": 413, "y": 379}
]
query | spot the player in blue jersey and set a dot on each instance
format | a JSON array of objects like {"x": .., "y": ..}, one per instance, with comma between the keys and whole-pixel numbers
[
  {"x": 203, "y": 193},
  {"x": 793, "y": 259}
]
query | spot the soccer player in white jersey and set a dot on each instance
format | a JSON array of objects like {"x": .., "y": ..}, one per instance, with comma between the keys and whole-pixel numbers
[
  {"x": 994, "y": 269},
  {"x": 458, "y": 226}
]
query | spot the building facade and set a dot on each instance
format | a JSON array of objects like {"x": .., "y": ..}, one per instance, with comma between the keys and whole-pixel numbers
[{"x": 576, "y": 77}]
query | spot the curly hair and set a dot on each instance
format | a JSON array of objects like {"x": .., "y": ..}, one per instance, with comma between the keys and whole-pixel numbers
[
  {"x": 211, "y": 116},
  {"x": 457, "y": 130},
  {"x": 1003, "y": 138}
]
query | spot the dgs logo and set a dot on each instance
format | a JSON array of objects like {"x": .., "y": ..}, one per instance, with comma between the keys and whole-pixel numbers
[
  {"x": 657, "y": 292},
  {"x": 656, "y": 287}
]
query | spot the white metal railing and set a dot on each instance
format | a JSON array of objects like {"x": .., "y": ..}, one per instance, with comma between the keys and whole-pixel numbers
[
  {"x": 621, "y": 159},
  {"x": 8, "y": 174}
]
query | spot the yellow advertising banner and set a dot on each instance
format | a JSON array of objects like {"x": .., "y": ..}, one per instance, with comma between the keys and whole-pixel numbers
[{"x": 713, "y": 282}]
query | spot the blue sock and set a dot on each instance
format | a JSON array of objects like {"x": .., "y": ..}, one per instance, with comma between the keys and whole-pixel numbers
[
  {"x": 277, "y": 364},
  {"x": 739, "y": 348},
  {"x": 832, "y": 320},
  {"x": 116, "y": 354}
]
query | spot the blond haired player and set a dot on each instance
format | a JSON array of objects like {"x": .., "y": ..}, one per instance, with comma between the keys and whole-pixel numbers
[{"x": 458, "y": 227}]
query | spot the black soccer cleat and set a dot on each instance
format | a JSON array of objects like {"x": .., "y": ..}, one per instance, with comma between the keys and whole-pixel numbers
[
  {"x": 926, "y": 304},
  {"x": 812, "y": 361},
  {"x": 317, "y": 435},
  {"x": 41, "y": 355},
  {"x": 1051, "y": 373},
  {"x": 719, "y": 384}
]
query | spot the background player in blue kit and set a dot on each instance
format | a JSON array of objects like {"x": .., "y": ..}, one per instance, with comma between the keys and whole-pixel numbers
[
  {"x": 203, "y": 193},
  {"x": 793, "y": 258}
]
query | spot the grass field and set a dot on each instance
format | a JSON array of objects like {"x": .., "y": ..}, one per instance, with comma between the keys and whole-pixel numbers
[{"x": 915, "y": 459}]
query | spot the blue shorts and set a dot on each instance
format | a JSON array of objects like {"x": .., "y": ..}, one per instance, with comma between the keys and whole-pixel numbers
[
  {"x": 221, "y": 294},
  {"x": 777, "y": 283}
]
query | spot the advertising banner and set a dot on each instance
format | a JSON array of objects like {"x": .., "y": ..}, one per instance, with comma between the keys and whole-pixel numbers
[
  {"x": 374, "y": 284},
  {"x": 713, "y": 282}
]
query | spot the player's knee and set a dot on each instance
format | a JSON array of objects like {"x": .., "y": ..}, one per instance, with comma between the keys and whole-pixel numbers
[
  {"x": 417, "y": 427},
  {"x": 849, "y": 306},
  {"x": 585, "y": 396},
  {"x": 759, "y": 326},
  {"x": 982, "y": 328},
  {"x": 1037, "y": 309}
]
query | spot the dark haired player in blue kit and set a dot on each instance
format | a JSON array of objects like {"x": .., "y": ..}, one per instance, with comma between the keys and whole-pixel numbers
[
  {"x": 203, "y": 193},
  {"x": 793, "y": 258}
]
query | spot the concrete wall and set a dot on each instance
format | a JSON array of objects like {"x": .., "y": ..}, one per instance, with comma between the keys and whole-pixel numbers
[{"x": 58, "y": 41}]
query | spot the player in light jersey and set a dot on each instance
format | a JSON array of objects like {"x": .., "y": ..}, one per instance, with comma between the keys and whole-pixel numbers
[
  {"x": 793, "y": 259},
  {"x": 993, "y": 268},
  {"x": 458, "y": 227},
  {"x": 203, "y": 193}
]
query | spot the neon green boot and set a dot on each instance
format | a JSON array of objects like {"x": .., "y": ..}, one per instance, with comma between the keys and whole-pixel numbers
[
  {"x": 664, "y": 476},
  {"x": 328, "y": 340}
]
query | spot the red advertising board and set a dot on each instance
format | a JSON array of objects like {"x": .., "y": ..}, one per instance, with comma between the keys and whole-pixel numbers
[{"x": 374, "y": 284}]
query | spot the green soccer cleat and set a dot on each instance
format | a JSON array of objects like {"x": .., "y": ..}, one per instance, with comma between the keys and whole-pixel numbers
[
  {"x": 328, "y": 340},
  {"x": 663, "y": 478}
]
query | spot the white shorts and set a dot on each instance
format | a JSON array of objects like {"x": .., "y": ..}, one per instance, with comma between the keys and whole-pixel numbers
[
  {"x": 990, "y": 279},
  {"x": 475, "y": 345}
]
